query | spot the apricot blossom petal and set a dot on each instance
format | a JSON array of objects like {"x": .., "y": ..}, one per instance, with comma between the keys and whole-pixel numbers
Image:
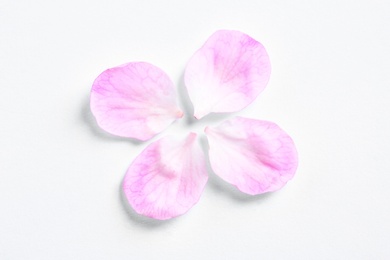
[
  {"x": 227, "y": 73},
  {"x": 255, "y": 156},
  {"x": 136, "y": 100},
  {"x": 167, "y": 178}
]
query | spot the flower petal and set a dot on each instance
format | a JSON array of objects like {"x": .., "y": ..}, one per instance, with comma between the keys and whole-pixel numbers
[
  {"x": 134, "y": 100},
  {"x": 167, "y": 178},
  {"x": 256, "y": 156},
  {"x": 227, "y": 73}
]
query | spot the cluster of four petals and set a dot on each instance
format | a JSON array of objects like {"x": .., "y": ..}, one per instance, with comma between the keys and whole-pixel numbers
[{"x": 138, "y": 100}]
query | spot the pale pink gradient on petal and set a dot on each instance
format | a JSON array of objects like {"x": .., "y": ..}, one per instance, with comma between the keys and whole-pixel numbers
[
  {"x": 255, "y": 156},
  {"x": 227, "y": 73},
  {"x": 136, "y": 100},
  {"x": 167, "y": 178}
]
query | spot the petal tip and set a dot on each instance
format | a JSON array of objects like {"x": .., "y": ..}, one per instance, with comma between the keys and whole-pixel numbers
[
  {"x": 191, "y": 138},
  {"x": 179, "y": 114},
  {"x": 200, "y": 115},
  {"x": 197, "y": 117},
  {"x": 192, "y": 135}
]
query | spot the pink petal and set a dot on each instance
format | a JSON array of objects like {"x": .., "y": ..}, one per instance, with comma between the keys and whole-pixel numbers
[
  {"x": 255, "y": 156},
  {"x": 227, "y": 73},
  {"x": 167, "y": 178},
  {"x": 134, "y": 100}
]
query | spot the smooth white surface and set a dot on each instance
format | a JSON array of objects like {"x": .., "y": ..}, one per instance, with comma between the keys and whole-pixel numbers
[{"x": 329, "y": 89}]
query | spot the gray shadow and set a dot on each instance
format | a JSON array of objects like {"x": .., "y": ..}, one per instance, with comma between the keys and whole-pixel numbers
[
  {"x": 185, "y": 101},
  {"x": 145, "y": 222},
  {"x": 88, "y": 118},
  {"x": 220, "y": 186},
  {"x": 214, "y": 118}
]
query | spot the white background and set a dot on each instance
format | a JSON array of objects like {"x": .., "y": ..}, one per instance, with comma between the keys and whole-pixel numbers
[{"x": 60, "y": 175}]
